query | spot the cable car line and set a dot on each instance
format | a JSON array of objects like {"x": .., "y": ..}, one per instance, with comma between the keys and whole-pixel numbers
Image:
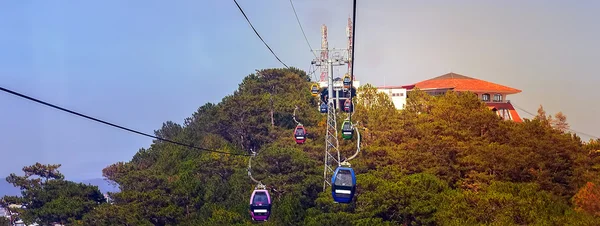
[
  {"x": 343, "y": 181},
  {"x": 353, "y": 44},
  {"x": 242, "y": 11},
  {"x": 574, "y": 131},
  {"x": 302, "y": 29},
  {"x": 312, "y": 72},
  {"x": 112, "y": 124}
]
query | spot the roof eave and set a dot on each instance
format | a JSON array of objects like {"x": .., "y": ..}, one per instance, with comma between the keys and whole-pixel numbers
[
  {"x": 492, "y": 91},
  {"x": 433, "y": 88}
]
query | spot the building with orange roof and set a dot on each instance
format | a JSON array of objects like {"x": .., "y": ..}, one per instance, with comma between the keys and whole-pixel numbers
[{"x": 494, "y": 95}]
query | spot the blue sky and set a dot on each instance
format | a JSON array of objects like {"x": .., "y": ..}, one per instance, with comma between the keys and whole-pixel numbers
[{"x": 140, "y": 63}]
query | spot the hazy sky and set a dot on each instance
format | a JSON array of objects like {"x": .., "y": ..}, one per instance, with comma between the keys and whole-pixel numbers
[{"x": 140, "y": 63}]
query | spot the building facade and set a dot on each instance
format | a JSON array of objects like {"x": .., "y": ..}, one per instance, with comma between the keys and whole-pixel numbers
[
  {"x": 396, "y": 93},
  {"x": 494, "y": 95}
]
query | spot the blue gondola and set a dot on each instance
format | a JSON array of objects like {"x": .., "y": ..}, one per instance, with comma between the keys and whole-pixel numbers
[
  {"x": 343, "y": 184},
  {"x": 323, "y": 108}
]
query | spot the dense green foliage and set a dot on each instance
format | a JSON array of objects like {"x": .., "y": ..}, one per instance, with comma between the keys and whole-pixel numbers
[
  {"x": 444, "y": 160},
  {"x": 49, "y": 198},
  {"x": 4, "y": 221}
]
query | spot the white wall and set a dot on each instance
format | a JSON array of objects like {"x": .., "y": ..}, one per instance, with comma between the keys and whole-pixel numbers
[{"x": 397, "y": 95}]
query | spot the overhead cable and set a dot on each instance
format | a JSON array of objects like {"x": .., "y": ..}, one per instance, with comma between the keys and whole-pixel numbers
[
  {"x": 574, "y": 131},
  {"x": 257, "y": 34},
  {"x": 112, "y": 124},
  {"x": 353, "y": 54},
  {"x": 302, "y": 29}
]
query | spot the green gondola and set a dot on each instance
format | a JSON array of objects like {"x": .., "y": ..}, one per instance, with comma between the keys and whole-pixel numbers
[{"x": 347, "y": 130}]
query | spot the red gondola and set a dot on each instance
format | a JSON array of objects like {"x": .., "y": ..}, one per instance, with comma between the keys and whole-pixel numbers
[
  {"x": 348, "y": 105},
  {"x": 300, "y": 134}
]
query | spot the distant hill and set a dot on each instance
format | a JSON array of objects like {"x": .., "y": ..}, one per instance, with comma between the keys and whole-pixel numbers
[
  {"x": 8, "y": 189},
  {"x": 102, "y": 184}
]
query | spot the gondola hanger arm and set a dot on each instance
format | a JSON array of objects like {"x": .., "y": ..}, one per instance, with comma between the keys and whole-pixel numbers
[
  {"x": 357, "y": 143},
  {"x": 294, "y": 115},
  {"x": 250, "y": 168}
]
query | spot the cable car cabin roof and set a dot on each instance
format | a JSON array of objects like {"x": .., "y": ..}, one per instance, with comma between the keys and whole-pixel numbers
[
  {"x": 347, "y": 125},
  {"x": 260, "y": 193},
  {"x": 300, "y": 131},
  {"x": 344, "y": 177}
]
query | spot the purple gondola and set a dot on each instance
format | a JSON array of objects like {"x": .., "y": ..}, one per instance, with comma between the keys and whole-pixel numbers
[{"x": 260, "y": 205}]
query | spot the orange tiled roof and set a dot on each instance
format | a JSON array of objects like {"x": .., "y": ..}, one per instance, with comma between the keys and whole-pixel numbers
[
  {"x": 464, "y": 83},
  {"x": 396, "y": 87}
]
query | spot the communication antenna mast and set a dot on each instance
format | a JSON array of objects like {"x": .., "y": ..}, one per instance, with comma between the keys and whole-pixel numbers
[
  {"x": 324, "y": 52},
  {"x": 349, "y": 35}
]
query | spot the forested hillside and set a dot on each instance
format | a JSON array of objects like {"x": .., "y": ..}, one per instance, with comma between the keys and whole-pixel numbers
[{"x": 445, "y": 160}]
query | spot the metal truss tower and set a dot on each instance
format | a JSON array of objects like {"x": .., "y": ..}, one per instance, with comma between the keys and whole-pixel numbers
[{"x": 332, "y": 154}]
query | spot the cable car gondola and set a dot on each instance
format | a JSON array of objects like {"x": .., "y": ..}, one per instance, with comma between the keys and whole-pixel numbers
[
  {"x": 323, "y": 108},
  {"x": 300, "y": 134},
  {"x": 314, "y": 90},
  {"x": 343, "y": 184},
  {"x": 348, "y": 105},
  {"x": 260, "y": 204},
  {"x": 347, "y": 130},
  {"x": 347, "y": 81}
]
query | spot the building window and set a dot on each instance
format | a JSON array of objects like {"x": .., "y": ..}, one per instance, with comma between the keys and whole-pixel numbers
[
  {"x": 504, "y": 114},
  {"x": 498, "y": 98},
  {"x": 485, "y": 97}
]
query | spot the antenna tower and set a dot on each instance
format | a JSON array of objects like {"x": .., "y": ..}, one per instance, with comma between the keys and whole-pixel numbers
[
  {"x": 324, "y": 52},
  {"x": 349, "y": 35}
]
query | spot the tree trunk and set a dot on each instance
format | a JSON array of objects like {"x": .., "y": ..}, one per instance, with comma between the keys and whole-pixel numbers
[
  {"x": 272, "y": 119},
  {"x": 272, "y": 110}
]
